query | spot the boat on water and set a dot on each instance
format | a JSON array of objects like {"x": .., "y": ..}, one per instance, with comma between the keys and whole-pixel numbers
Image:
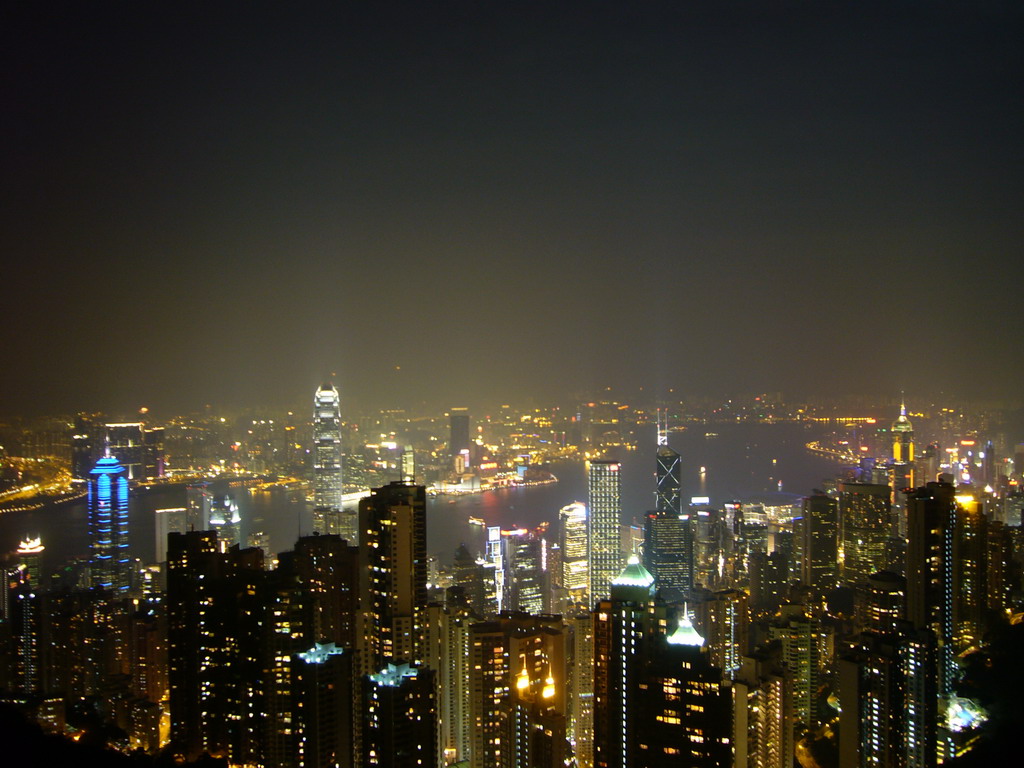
[{"x": 476, "y": 521}]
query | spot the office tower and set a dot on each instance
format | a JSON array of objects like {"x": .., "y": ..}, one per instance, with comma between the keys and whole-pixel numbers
[
  {"x": 170, "y": 520},
  {"x": 327, "y": 486},
  {"x": 139, "y": 449},
  {"x": 86, "y": 441},
  {"x": 198, "y": 503},
  {"x": 393, "y": 549},
  {"x": 580, "y": 703},
  {"x": 887, "y": 699},
  {"x": 604, "y": 517},
  {"x": 322, "y": 720},
  {"x": 526, "y": 581},
  {"x": 669, "y": 474},
  {"x": 215, "y": 619},
  {"x": 724, "y": 620},
  {"x": 109, "y": 561},
  {"x": 623, "y": 625},
  {"x": 500, "y": 652},
  {"x": 864, "y": 514},
  {"x": 805, "y": 645},
  {"x": 572, "y": 541},
  {"x": 682, "y": 709},
  {"x": 408, "y": 464},
  {"x": 226, "y": 520},
  {"x": 902, "y": 451},
  {"x": 458, "y": 435},
  {"x": 448, "y": 656},
  {"x": 820, "y": 530},
  {"x": 707, "y": 530},
  {"x": 763, "y": 711},
  {"x": 399, "y": 724},
  {"x": 668, "y": 552}
]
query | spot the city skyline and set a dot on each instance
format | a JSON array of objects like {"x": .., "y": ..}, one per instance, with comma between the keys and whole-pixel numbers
[{"x": 668, "y": 197}]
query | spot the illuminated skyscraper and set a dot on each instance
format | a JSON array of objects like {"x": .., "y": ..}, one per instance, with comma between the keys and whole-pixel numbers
[
  {"x": 575, "y": 571},
  {"x": 668, "y": 552},
  {"x": 605, "y": 512},
  {"x": 903, "y": 475},
  {"x": 682, "y": 711},
  {"x": 864, "y": 512},
  {"x": 393, "y": 523},
  {"x": 820, "y": 533},
  {"x": 668, "y": 496},
  {"x": 623, "y": 626},
  {"x": 327, "y": 488},
  {"x": 109, "y": 562}
]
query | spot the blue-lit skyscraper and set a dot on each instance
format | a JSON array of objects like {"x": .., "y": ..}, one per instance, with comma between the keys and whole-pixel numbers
[{"x": 109, "y": 562}]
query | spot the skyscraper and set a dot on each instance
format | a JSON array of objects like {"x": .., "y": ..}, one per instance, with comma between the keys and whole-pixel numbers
[
  {"x": 109, "y": 561},
  {"x": 668, "y": 552},
  {"x": 623, "y": 625},
  {"x": 574, "y": 556},
  {"x": 820, "y": 532},
  {"x": 458, "y": 432},
  {"x": 393, "y": 524},
  {"x": 682, "y": 709},
  {"x": 668, "y": 496},
  {"x": 864, "y": 513},
  {"x": 327, "y": 488},
  {"x": 605, "y": 513}
]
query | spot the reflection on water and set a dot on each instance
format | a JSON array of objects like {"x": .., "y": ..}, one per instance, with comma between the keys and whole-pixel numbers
[{"x": 742, "y": 461}]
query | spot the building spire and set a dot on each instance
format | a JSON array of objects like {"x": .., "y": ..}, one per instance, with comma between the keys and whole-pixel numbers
[{"x": 662, "y": 427}]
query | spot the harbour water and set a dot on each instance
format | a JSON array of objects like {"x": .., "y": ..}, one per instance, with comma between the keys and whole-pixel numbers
[{"x": 745, "y": 462}]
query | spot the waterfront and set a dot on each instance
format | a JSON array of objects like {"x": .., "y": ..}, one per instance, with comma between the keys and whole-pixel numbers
[{"x": 742, "y": 461}]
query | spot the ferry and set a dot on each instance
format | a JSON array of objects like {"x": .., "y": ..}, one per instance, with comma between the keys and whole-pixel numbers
[{"x": 476, "y": 521}]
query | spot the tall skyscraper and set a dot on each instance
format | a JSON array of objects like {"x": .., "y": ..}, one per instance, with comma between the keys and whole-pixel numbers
[
  {"x": 458, "y": 433},
  {"x": 682, "y": 711},
  {"x": 109, "y": 561},
  {"x": 668, "y": 496},
  {"x": 763, "y": 711},
  {"x": 820, "y": 533},
  {"x": 623, "y": 625},
  {"x": 668, "y": 552},
  {"x": 327, "y": 487},
  {"x": 393, "y": 522},
  {"x": 864, "y": 513},
  {"x": 605, "y": 512},
  {"x": 574, "y": 555}
]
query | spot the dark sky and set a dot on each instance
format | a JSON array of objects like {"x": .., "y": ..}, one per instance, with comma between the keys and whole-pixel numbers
[{"x": 223, "y": 204}]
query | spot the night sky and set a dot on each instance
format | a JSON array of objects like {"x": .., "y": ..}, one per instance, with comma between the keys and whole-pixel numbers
[{"x": 455, "y": 203}]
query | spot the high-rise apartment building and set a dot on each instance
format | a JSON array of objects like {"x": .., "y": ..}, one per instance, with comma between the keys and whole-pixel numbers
[
  {"x": 605, "y": 512},
  {"x": 109, "y": 559},
  {"x": 393, "y": 549},
  {"x": 623, "y": 626},
  {"x": 763, "y": 711},
  {"x": 682, "y": 710}
]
